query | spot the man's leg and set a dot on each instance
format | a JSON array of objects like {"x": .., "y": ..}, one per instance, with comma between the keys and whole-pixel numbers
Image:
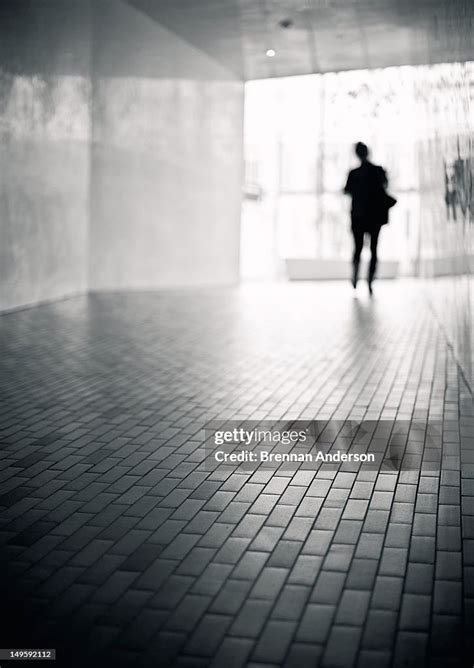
[
  {"x": 374, "y": 238},
  {"x": 358, "y": 235}
]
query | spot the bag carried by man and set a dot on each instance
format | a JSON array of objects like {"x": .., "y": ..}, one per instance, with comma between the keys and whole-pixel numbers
[{"x": 388, "y": 202}]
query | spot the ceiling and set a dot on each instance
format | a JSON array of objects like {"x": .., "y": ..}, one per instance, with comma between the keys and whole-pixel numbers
[{"x": 324, "y": 35}]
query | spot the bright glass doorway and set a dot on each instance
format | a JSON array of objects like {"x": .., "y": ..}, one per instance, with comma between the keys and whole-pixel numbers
[{"x": 299, "y": 137}]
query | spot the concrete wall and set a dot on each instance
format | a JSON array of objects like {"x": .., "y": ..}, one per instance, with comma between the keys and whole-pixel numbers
[
  {"x": 447, "y": 204},
  {"x": 166, "y": 158},
  {"x": 120, "y": 154},
  {"x": 44, "y": 150}
]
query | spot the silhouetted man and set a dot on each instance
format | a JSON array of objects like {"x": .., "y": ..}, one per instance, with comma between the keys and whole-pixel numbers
[{"x": 369, "y": 212}]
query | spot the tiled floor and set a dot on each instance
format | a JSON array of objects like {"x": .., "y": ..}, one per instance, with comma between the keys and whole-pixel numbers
[{"x": 118, "y": 543}]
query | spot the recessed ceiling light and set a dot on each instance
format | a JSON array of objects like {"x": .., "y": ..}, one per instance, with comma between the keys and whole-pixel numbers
[{"x": 270, "y": 53}]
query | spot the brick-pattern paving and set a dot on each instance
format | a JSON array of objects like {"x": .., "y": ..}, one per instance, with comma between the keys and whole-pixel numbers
[{"x": 120, "y": 545}]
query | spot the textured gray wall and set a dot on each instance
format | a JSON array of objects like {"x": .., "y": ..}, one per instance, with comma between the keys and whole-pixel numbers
[
  {"x": 120, "y": 154},
  {"x": 44, "y": 151},
  {"x": 447, "y": 204},
  {"x": 166, "y": 160}
]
